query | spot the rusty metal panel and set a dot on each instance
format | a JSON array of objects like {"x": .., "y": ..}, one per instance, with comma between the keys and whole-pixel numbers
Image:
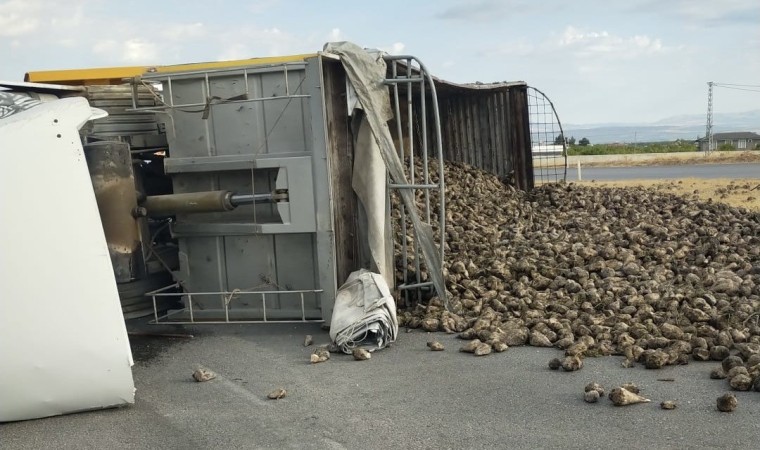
[{"x": 113, "y": 180}]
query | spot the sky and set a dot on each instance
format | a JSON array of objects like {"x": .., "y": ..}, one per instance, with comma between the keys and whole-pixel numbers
[{"x": 632, "y": 61}]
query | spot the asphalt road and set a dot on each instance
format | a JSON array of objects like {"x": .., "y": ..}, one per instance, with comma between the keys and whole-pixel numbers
[
  {"x": 404, "y": 397},
  {"x": 751, "y": 170}
]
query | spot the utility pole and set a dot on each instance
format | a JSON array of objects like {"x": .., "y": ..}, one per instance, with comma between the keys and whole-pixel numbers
[{"x": 708, "y": 127}]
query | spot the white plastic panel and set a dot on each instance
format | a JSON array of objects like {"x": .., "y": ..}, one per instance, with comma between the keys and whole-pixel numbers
[{"x": 63, "y": 342}]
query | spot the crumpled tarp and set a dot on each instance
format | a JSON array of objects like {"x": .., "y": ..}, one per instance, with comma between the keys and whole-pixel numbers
[
  {"x": 367, "y": 74},
  {"x": 364, "y": 314}
]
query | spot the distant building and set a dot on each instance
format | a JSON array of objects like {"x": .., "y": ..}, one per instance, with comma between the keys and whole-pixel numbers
[
  {"x": 741, "y": 140},
  {"x": 547, "y": 150}
]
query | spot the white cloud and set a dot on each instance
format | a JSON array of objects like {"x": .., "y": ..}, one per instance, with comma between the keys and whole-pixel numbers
[
  {"x": 335, "y": 35},
  {"x": 75, "y": 16},
  {"x": 184, "y": 31},
  {"x": 396, "y": 48},
  {"x": 235, "y": 51},
  {"x": 520, "y": 48},
  {"x": 601, "y": 43},
  {"x": 105, "y": 47},
  {"x": 139, "y": 51},
  {"x": 19, "y": 17},
  {"x": 131, "y": 51},
  {"x": 253, "y": 42}
]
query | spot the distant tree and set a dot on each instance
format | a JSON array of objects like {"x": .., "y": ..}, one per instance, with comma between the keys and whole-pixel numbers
[
  {"x": 571, "y": 142},
  {"x": 560, "y": 139},
  {"x": 584, "y": 142}
]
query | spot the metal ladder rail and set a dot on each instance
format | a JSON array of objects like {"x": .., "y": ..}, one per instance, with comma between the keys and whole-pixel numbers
[{"x": 425, "y": 82}]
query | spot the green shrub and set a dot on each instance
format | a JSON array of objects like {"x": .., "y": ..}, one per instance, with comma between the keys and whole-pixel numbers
[{"x": 627, "y": 149}]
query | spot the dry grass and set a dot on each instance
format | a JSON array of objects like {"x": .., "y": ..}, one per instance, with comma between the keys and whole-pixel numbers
[
  {"x": 736, "y": 192},
  {"x": 665, "y": 159}
]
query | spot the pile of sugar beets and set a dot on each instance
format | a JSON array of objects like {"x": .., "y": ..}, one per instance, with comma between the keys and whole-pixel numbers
[{"x": 655, "y": 277}]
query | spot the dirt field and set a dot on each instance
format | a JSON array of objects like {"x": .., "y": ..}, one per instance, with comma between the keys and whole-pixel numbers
[{"x": 736, "y": 192}]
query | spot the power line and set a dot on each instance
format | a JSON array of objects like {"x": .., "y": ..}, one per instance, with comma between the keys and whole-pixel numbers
[
  {"x": 738, "y": 85},
  {"x": 737, "y": 88}
]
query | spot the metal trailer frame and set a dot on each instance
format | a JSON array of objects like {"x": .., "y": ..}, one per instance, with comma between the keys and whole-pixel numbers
[
  {"x": 306, "y": 213},
  {"x": 422, "y": 83}
]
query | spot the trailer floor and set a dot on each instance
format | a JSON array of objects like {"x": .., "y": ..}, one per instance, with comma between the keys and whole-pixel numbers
[{"x": 405, "y": 396}]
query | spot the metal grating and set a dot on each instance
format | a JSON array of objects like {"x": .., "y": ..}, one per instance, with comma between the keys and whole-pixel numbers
[
  {"x": 193, "y": 314},
  {"x": 548, "y": 141}
]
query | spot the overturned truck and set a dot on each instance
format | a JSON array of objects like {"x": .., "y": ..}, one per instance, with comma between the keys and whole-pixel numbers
[{"x": 248, "y": 191}]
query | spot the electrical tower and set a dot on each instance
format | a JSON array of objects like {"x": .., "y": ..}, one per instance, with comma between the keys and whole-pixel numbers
[{"x": 708, "y": 127}]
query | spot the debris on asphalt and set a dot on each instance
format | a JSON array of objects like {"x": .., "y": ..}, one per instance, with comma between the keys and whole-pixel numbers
[
  {"x": 655, "y": 359},
  {"x": 482, "y": 349},
  {"x": 320, "y": 354},
  {"x": 591, "y": 396},
  {"x": 631, "y": 387},
  {"x": 555, "y": 364},
  {"x": 628, "y": 363},
  {"x": 717, "y": 374},
  {"x": 471, "y": 346},
  {"x": 741, "y": 382},
  {"x": 621, "y": 396},
  {"x": 499, "y": 346},
  {"x": 719, "y": 352},
  {"x": 308, "y": 340},
  {"x": 730, "y": 362},
  {"x": 668, "y": 404},
  {"x": 435, "y": 346},
  {"x": 572, "y": 363},
  {"x": 727, "y": 402},
  {"x": 200, "y": 375},
  {"x": 277, "y": 394},
  {"x": 361, "y": 354},
  {"x": 594, "y": 386}
]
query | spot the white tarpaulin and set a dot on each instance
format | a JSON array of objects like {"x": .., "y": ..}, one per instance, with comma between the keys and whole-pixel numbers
[
  {"x": 369, "y": 181},
  {"x": 63, "y": 342},
  {"x": 364, "y": 314}
]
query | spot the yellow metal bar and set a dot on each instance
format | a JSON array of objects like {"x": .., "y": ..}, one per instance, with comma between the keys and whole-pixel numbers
[
  {"x": 105, "y": 75},
  {"x": 116, "y": 75},
  {"x": 192, "y": 67}
]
